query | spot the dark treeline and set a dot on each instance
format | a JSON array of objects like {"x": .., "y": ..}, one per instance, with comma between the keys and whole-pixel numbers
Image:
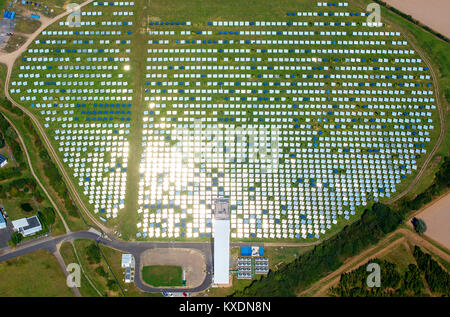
[
  {"x": 328, "y": 256},
  {"x": 394, "y": 283},
  {"x": 411, "y": 19}
]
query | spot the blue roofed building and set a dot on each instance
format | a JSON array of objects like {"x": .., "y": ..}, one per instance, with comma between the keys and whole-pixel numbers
[
  {"x": 3, "y": 161},
  {"x": 2, "y": 222}
]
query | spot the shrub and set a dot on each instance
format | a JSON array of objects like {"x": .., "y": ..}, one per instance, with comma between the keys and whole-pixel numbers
[
  {"x": 93, "y": 253},
  {"x": 419, "y": 225},
  {"x": 26, "y": 207},
  {"x": 16, "y": 237}
]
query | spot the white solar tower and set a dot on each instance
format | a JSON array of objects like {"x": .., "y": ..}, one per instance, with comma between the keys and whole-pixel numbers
[{"x": 221, "y": 241}]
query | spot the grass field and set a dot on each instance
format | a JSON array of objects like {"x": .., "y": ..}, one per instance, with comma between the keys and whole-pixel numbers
[
  {"x": 158, "y": 275},
  {"x": 68, "y": 254},
  {"x": 37, "y": 274},
  {"x": 27, "y": 26},
  {"x": 103, "y": 281},
  {"x": 401, "y": 255},
  {"x": 226, "y": 291}
]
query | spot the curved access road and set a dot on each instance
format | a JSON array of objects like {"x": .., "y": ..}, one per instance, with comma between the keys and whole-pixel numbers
[{"x": 135, "y": 248}]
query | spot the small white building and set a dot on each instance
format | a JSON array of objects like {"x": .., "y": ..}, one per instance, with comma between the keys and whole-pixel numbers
[
  {"x": 27, "y": 226},
  {"x": 127, "y": 261},
  {"x": 128, "y": 264}
]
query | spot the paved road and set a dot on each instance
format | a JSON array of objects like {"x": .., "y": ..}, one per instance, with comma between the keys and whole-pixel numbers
[{"x": 135, "y": 248}]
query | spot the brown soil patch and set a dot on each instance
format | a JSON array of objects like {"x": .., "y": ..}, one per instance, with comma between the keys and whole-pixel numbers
[
  {"x": 433, "y": 13},
  {"x": 437, "y": 218}
]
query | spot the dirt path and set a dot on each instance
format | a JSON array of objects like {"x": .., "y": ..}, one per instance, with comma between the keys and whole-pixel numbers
[
  {"x": 352, "y": 263},
  {"x": 9, "y": 58}
]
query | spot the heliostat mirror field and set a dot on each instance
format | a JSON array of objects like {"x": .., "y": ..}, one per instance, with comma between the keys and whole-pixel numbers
[{"x": 300, "y": 113}]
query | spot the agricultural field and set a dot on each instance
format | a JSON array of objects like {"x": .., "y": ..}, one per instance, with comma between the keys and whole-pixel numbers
[{"x": 302, "y": 113}]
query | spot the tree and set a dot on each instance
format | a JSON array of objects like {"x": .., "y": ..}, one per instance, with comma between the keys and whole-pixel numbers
[
  {"x": 26, "y": 207},
  {"x": 112, "y": 285},
  {"x": 49, "y": 214},
  {"x": 419, "y": 225},
  {"x": 93, "y": 253},
  {"x": 16, "y": 237},
  {"x": 101, "y": 271},
  {"x": 10, "y": 133}
]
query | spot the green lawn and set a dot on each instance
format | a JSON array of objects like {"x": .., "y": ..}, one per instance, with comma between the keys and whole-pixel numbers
[
  {"x": 68, "y": 254},
  {"x": 283, "y": 255},
  {"x": 90, "y": 268},
  {"x": 37, "y": 274},
  {"x": 158, "y": 275}
]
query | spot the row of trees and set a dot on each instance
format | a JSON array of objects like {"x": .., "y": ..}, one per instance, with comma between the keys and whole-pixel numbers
[
  {"x": 437, "y": 278},
  {"x": 93, "y": 255}
]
